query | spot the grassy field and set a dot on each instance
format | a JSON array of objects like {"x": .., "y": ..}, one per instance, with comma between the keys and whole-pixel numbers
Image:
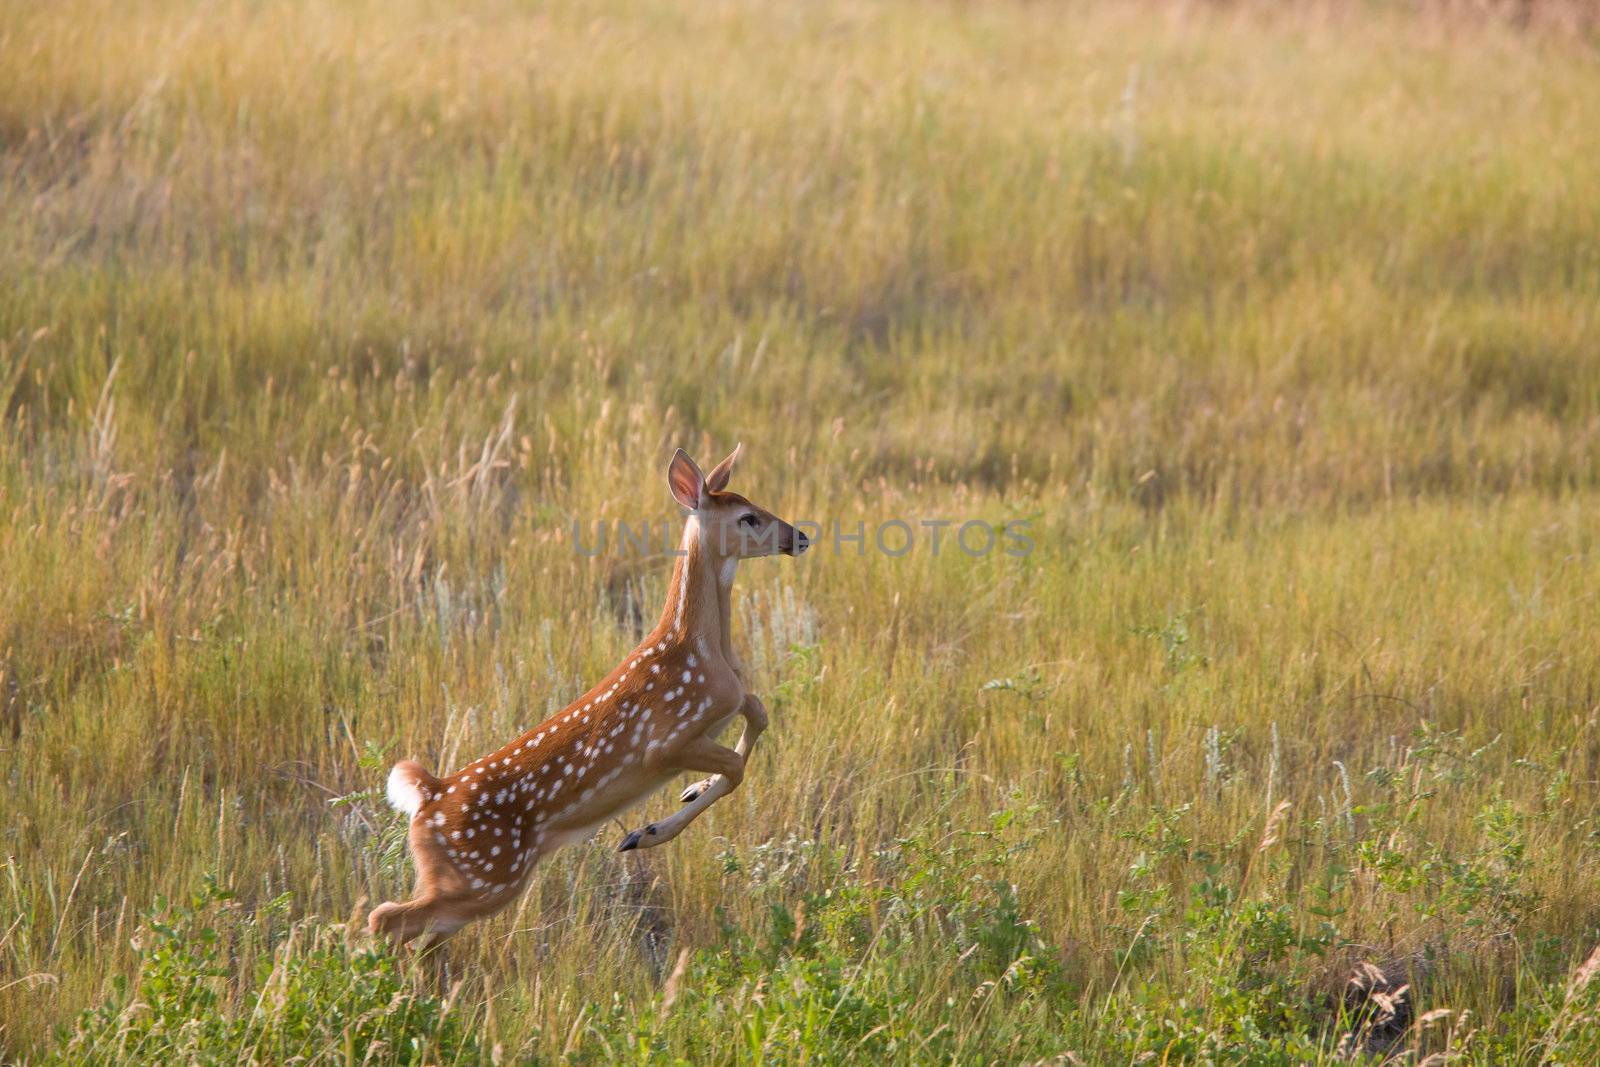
[{"x": 320, "y": 325}]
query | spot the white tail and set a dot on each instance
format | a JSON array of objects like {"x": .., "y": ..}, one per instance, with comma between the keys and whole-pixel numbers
[
  {"x": 476, "y": 835},
  {"x": 406, "y": 785}
]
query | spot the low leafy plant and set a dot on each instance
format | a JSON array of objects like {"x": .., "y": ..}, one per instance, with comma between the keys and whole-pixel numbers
[{"x": 314, "y": 997}]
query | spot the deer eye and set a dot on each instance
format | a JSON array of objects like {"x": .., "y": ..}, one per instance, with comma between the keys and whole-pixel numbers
[{"x": 747, "y": 519}]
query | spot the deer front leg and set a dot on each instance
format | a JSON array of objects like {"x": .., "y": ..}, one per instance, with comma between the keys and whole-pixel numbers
[
  {"x": 755, "y": 722},
  {"x": 701, "y": 754}
]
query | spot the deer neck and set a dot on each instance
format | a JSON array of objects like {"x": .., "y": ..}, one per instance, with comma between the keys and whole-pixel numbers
[{"x": 700, "y": 597}]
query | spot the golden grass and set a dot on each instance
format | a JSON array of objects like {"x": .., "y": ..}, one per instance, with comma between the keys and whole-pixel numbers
[{"x": 321, "y": 323}]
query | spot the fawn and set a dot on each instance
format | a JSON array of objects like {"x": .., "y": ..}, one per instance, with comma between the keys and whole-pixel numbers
[{"x": 477, "y": 834}]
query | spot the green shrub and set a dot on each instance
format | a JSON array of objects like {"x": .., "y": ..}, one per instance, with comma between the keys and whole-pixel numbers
[{"x": 314, "y": 997}]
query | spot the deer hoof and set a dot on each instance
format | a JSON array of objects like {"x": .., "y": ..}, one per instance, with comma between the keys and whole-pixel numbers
[
  {"x": 631, "y": 842},
  {"x": 695, "y": 790}
]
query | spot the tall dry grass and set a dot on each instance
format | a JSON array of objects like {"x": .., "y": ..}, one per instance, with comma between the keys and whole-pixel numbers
[{"x": 320, "y": 324}]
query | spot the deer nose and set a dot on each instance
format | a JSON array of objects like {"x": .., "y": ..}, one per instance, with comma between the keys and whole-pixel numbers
[{"x": 801, "y": 542}]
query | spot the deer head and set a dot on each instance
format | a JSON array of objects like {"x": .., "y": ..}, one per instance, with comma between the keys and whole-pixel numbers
[{"x": 731, "y": 527}]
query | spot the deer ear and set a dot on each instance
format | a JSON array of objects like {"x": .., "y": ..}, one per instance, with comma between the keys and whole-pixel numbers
[
  {"x": 685, "y": 480},
  {"x": 717, "y": 480}
]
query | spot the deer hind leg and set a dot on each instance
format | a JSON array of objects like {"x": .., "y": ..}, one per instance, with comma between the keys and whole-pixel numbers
[
  {"x": 444, "y": 902},
  {"x": 755, "y": 722},
  {"x": 438, "y": 917},
  {"x": 701, "y": 754}
]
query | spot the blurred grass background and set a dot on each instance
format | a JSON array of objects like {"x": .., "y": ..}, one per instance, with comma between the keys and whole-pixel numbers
[{"x": 321, "y": 323}]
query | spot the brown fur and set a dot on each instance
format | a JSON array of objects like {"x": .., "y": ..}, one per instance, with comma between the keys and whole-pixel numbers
[{"x": 477, "y": 834}]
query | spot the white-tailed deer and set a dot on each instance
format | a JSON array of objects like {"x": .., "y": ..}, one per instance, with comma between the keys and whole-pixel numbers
[{"x": 476, "y": 835}]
